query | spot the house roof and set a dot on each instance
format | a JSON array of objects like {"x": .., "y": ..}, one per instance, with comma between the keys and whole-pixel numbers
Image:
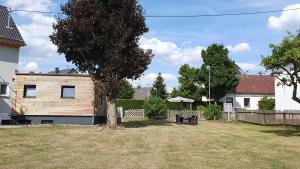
[
  {"x": 256, "y": 84},
  {"x": 9, "y": 35},
  {"x": 64, "y": 71},
  {"x": 141, "y": 93}
]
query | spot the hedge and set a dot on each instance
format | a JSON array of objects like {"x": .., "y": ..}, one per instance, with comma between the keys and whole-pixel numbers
[
  {"x": 130, "y": 104},
  {"x": 139, "y": 104}
]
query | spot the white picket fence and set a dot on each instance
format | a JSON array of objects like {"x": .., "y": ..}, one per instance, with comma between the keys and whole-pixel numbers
[{"x": 140, "y": 114}]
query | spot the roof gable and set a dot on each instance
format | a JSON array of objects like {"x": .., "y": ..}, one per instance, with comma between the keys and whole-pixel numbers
[
  {"x": 9, "y": 35},
  {"x": 256, "y": 84}
]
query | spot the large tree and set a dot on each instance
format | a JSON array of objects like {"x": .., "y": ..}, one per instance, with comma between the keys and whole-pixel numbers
[
  {"x": 101, "y": 37},
  {"x": 223, "y": 71},
  {"x": 190, "y": 85},
  {"x": 159, "y": 88},
  {"x": 126, "y": 91},
  {"x": 284, "y": 62}
]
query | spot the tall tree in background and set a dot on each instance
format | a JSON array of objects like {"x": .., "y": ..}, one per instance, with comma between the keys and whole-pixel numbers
[
  {"x": 190, "y": 84},
  {"x": 223, "y": 71},
  {"x": 126, "y": 91},
  {"x": 101, "y": 37},
  {"x": 159, "y": 88},
  {"x": 284, "y": 63}
]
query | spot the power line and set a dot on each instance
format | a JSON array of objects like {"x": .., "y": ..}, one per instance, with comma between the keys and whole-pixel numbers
[{"x": 181, "y": 16}]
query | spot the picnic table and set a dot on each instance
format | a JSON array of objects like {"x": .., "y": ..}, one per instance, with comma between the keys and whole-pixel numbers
[{"x": 181, "y": 118}]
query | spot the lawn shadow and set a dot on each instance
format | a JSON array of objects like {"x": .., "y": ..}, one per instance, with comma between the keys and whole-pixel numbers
[
  {"x": 289, "y": 132},
  {"x": 146, "y": 123}
]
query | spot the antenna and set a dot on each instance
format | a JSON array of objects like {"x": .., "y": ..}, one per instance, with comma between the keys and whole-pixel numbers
[{"x": 8, "y": 19}]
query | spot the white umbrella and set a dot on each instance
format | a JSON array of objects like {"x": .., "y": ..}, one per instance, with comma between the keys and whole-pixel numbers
[{"x": 180, "y": 99}]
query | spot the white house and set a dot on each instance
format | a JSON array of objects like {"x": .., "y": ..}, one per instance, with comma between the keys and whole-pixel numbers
[
  {"x": 251, "y": 89},
  {"x": 283, "y": 98},
  {"x": 10, "y": 43}
]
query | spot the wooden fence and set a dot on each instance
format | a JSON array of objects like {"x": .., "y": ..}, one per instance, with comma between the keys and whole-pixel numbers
[{"x": 269, "y": 118}]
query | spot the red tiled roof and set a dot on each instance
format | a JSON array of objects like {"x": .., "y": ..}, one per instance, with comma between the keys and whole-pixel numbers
[{"x": 256, "y": 84}]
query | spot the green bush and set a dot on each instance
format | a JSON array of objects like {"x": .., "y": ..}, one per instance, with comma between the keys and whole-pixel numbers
[
  {"x": 266, "y": 104},
  {"x": 201, "y": 108},
  {"x": 130, "y": 104},
  {"x": 212, "y": 111},
  {"x": 156, "y": 108}
]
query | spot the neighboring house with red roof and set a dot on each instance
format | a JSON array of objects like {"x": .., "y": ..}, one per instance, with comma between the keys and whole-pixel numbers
[
  {"x": 10, "y": 43},
  {"x": 250, "y": 91}
]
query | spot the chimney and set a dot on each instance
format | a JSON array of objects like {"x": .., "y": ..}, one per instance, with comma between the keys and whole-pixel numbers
[{"x": 56, "y": 70}]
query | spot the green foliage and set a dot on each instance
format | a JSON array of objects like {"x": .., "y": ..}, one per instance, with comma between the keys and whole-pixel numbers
[
  {"x": 159, "y": 88},
  {"x": 266, "y": 103},
  {"x": 130, "y": 104},
  {"x": 212, "y": 111},
  {"x": 284, "y": 63},
  {"x": 201, "y": 108},
  {"x": 190, "y": 86},
  {"x": 223, "y": 71},
  {"x": 126, "y": 90},
  {"x": 156, "y": 108}
]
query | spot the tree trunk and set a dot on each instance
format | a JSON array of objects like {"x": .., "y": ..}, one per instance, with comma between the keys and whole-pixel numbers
[
  {"x": 111, "y": 114},
  {"x": 295, "y": 98}
]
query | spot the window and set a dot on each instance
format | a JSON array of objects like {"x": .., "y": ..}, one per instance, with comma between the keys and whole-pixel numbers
[
  {"x": 246, "y": 102},
  {"x": 30, "y": 91},
  {"x": 68, "y": 92},
  {"x": 47, "y": 122},
  {"x": 3, "y": 89},
  {"x": 229, "y": 100}
]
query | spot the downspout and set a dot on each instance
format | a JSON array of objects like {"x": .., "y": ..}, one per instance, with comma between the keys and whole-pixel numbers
[{"x": 95, "y": 93}]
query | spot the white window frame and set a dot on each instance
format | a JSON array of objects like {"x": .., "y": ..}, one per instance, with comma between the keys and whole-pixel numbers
[{"x": 7, "y": 90}]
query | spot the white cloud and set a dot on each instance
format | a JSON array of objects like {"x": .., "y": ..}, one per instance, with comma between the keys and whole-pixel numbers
[
  {"x": 247, "y": 66},
  {"x": 169, "y": 53},
  {"x": 287, "y": 21},
  {"x": 238, "y": 48},
  {"x": 33, "y": 5},
  {"x": 148, "y": 80},
  {"x": 36, "y": 31},
  {"x": 31, "y": 66}
]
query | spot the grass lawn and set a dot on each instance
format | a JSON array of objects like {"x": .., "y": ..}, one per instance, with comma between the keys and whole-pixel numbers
[{"x": 144, "y": 144}]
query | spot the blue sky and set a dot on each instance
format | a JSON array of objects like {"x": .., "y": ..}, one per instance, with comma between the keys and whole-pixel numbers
[{"x": 175, "y": 41}]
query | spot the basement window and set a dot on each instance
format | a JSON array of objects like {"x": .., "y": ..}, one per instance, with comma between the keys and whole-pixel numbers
[
  {"x": 47, "y": 122},
  {"x": 68, "y": 92},
  {"x": 29, "y": 91},
  {"x": 3, "y": 89}
]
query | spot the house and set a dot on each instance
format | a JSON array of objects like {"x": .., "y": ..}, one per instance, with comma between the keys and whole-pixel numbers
[
  {"x": 64, "y": 71},
  {"x": 283, "y": 98},
  {"x": 57, "y": 99},
  {"x": 251, "y": 89},
  {"x": 141, "y": 93},
  {"x": 10, "y": 43}
]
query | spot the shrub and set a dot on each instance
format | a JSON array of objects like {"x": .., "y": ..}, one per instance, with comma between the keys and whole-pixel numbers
[
  {"x": 201, "y": 108},
  {"x": 266, "y": 104},
  {"x": 212, "y": 111},
  {"x": 156, "y": 108}
]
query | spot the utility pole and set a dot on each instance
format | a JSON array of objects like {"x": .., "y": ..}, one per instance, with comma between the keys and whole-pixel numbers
[{"x": 209, "y": 69}]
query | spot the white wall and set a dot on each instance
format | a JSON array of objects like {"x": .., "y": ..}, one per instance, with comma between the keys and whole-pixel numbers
[
  {"x": 238, "y": 100},
  {"x": 283, "y": 98},
  {"x": 9, "y": 58}
]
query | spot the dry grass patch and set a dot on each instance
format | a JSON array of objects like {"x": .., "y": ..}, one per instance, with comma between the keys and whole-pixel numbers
[{"x": 146, "y": 144}]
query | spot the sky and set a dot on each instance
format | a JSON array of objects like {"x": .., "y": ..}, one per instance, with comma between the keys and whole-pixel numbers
[{"x": 174, "y": 41}]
